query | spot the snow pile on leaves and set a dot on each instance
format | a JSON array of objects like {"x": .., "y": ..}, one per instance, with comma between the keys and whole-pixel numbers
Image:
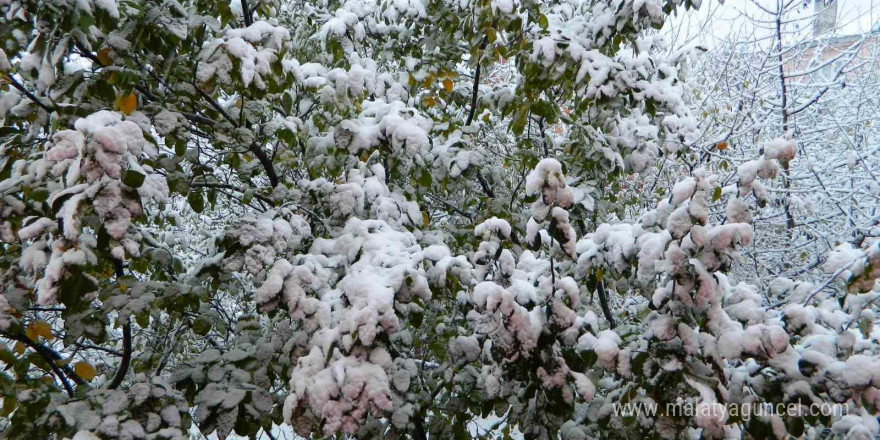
[{"x": 93, "y": 170}]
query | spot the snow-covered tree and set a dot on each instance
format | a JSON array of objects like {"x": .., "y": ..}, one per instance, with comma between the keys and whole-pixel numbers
[
  {"x": 778, "y": 77},
  {"x": 390, "y": 219}
]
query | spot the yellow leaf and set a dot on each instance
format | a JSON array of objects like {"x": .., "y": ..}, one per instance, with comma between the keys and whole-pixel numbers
[
  {"x": 19, "y": 348},
  {"x": 84, "y": 370},
  {"x": 491, "y": 35},
  {"x": 39, "y": 328},
  {"x": 9, "y": 406},
  {"x": 126, "y": 103},
  {"x": 447, "y": 84},
  {"x": 429, "y": 80},
  {"x": 30, "y": 332},
  {"x": 44, "y": 330},
  {"x": 425, "y": 219},
  {"x": 104, "y": 56},
  {"x": 721, "y": 146}
]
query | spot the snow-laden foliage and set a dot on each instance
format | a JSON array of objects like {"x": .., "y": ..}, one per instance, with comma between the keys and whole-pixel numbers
[{"x": 395, "y": 219}]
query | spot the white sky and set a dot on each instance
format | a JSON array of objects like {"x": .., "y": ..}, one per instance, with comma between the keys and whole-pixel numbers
[{"x": 716, "y": 21}]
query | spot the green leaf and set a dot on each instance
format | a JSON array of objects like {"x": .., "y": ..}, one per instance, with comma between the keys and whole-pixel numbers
[
  {"x": 201, "y": 326},
  {"x": 865, "y": 326},
  {"x": 6, "y": 131},
  {"x": 519, "y": 120},
  {"x": 589, "y": 358},
  {"x": 286, "y": 102},
  {"x": 491, "y": 35},
  {"x": 85, "y": 370},
  {"x": 143, "y": 319},
  {"x": 650, "y": 107},
  {"x": 196, "y": 201},
  {"x": 795, "y": 426},
  {"x": 424, "y": 178},
  {"x": 133, "y": 178},
  {"x": 543, "y": 22},
  {"x": 9, "y": 404},
  {"x": 717, "y": 194},
  {"x": 179, "y": 146},
  {"x": 74, "y": 288}
]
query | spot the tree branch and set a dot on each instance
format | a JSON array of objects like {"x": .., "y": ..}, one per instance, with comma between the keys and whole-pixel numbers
[
  {"x": 452, "y": 207},
  {"x": 231, "y": 187},
  {"x": 126, "y": 356},
  {"x": 603, "y": 301},
  {"x": 216, "y": 105},
  {"x": 51, "y": 356},
  {"x": 248, "y": 20},
  {"x": 30, "y": 95},
  {"x": 266, "y": 431},
  {"x": 266, "y": 162},
  {"x": 99, "y": 348},
  {"x": 485, "y": 186},
  {"x": 473, "y": 110},
  {"x": 254, "y": 148}
]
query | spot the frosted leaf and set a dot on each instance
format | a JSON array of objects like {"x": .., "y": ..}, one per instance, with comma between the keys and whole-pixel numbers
[
  {"x": 683, "y": 190},
  {"x": 117, "y": 401},
  {"x": 167, "y": 122},
  {"x": 860, "y": 370},
  {"x": 5, "y": 318},
  {"x": 140, "y": 392},
  {"x": 233, "y": 398},
  {"x": 226, "y": 422},
  {"x": 109, "y": 6},
  {"x": 781, "y": 149},
  {"x": 85, "y": 435},
  {"x": 493, "y": 225},
  {"x": 207, "y": 356},
  {"x": 262, "y": 401},
  {"x": 401, "y": 380},
  {"x": 171, "y": 415},
  {"x": 400, "y": 417},
  {"x": 548, "y": 173},
  {"x": 4, "y": 62},
  {"x": 466, "y": 347},
  {"x": 235, "y": 355},
  {"x": 130, "y": 430}
]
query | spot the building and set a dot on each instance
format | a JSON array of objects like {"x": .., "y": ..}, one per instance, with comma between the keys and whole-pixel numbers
[{"x": 827, "y": 56}]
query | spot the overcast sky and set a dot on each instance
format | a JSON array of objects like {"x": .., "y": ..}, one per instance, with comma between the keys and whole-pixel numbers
[{"x": 735, "y": 19}]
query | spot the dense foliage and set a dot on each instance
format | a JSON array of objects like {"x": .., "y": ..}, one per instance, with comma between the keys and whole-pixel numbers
[{"x": 391, "y": 219}]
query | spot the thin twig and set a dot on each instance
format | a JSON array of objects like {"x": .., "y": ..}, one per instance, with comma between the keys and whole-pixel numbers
[{"x": 30, "y": 95}]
